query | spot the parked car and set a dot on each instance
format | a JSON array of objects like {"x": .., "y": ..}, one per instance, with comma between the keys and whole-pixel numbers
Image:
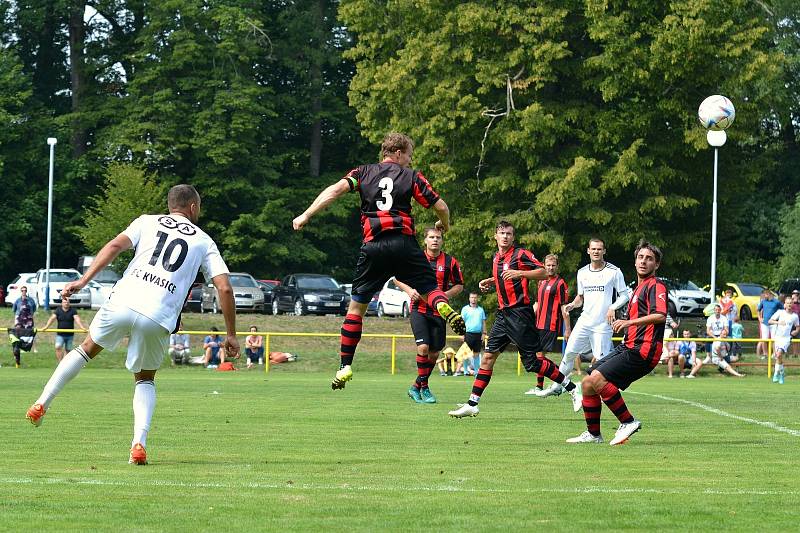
[
  {"x": 267, "y": 287},
  {"x": 194, "y": 299},
  {"x": 246, "y": 293},
  {"x": 372, "y": 306},
  {"x": 27, "y": 279},
  {"x": 99, "y": 293},
  {"x": 746, "y": 296},
  {"x": 393, "y": 301},
  {"x": 309, "y": 293},
  {"x": 59, "y": 277},
  {"x": 685, "y": 297}
]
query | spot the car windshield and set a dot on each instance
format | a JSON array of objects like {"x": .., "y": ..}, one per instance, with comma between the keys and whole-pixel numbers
[
  {"x": 320, "y": 282},
  {"x": 750, "y": 290},
  {"x": 242, "y": 281},
  {"x": 685, "y": 285},
  {"x": 107, "y": 276},
  {"x": 61, "y": 277},
  {"x": 266, "y": 286}
]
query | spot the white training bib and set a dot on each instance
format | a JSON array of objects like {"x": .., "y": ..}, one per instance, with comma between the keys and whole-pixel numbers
[{"x": 170, "y": 250}]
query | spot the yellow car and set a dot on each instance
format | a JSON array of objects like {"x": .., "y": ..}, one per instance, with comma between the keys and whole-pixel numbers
[{"x": 746, "y": 296}]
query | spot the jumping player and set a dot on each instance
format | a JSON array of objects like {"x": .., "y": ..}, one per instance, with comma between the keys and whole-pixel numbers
[
  {"x": 634, "y": 358},
  {"x": 598, "y": 282},
  {"x": 551, "y": 316},
  {"x": 787, "y": 325},
  {"x": 145, "y": 304},
  {"x": 515, "y": 322},
  {"x": 426, "y": 324},
  {"x": 389, "y": 248}
]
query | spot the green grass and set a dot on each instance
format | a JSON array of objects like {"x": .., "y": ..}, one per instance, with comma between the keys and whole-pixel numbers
[{"x": 249, "y": 451}]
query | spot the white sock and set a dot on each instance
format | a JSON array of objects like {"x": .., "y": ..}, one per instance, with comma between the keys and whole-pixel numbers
[
  {"x": 144, "y": 403},
  {"x": 68, "y": 368},
  {"x": 567, "y": 363},
  {"x": 778, "y": 368}
]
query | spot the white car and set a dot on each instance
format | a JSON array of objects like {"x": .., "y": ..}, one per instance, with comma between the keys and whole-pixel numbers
[
  {"x": 393, "y": 301},
  {"x": 28, "y": 279},
  {"x": 686, "y": 298},
  {"x": 59, "y": 277}
]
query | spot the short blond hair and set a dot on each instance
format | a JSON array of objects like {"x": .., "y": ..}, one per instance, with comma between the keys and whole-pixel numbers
[
  {"x": 554, "y": 257},
  {"x": 394, "y": 141}
]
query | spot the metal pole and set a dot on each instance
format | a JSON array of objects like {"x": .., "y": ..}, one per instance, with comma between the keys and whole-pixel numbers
[
  {"x": 714, "y": 231},
  {"x": 52, "y": 142}
]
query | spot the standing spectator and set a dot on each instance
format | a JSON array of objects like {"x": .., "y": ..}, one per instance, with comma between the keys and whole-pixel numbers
[
  {"x": 254, "y": 348},
  {"x": 67, "y": 317},
  {"x": 551, "y": 318},
  {"x": 729, "y": 309},
  {"x": 475, "y": 319},
  {"x": 670, "y": 353},
  {"x": 737, "y": 332},
  {"x": 767, "y": 307},
  {"x": 25, "y": 306},
  {"x": 211, "y": 345},
  {"x": 179, "y": 347},
  {"x": 787, "y": 325}
]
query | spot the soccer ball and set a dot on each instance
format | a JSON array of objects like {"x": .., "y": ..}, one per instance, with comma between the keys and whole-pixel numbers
[{"x": 716, "y": 113}]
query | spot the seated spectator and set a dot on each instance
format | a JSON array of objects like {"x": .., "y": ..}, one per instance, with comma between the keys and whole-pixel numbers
[
  {"x": 463, "y": 360},
  {"x": 276, "y": 358},
  {"x": 254, "y": 348},
  {"x": 687, "y": 354},
  {"x": 670, "y": 350},
  {"x": 719, "y": 356},
  {"x": 179, "y": 348},
  {"x": 211, "y": 345},
  {"x": 447, "y": 361}
]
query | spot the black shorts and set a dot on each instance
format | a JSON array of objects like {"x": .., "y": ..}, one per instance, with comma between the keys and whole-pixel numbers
[
  {"x": 549, "y": 341},
  {"x": 515, "y": 325},
  {"x": 390, "y": 255},
  {"x": 428, "y": 330},
  {"x": 474, "y": 341},
  {"x": 622, "y": 366}
]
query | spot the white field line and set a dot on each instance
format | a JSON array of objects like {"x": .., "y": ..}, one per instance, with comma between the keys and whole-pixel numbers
[
  {"x": 345, "y": 487},
  {"x": 720, "y": 412}
]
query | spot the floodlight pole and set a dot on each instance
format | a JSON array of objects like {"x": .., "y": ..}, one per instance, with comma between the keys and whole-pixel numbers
[
  {"x": 51, "y": 141},
  {"x": 715, "y": 139}
]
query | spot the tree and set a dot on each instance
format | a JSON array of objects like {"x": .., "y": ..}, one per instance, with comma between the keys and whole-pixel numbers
[{"x": 790, "y": 244}]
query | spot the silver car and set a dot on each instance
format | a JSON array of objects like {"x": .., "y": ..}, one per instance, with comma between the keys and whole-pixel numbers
[{"x": 246, "y": 292}]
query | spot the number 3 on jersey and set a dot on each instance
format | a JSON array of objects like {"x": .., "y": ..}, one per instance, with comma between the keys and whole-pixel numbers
[
  {"x": 386, "y": 185},
  {"x": 165, "y": 261}
]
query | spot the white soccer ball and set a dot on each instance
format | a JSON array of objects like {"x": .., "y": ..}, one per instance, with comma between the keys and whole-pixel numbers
[{"x": 716, "y": 113}]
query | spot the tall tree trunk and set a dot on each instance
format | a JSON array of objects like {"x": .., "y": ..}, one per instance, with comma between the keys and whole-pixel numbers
[
  {"x": 77, "y": 35},
  {"x": 317, "y": 57}
]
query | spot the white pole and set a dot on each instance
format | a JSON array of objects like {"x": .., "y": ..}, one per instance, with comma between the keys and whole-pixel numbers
[
  {"x": 715, "y": 139},
  {"x": 52, "y": 142}
]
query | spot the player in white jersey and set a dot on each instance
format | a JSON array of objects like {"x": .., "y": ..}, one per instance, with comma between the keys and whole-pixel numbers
[
  {"x": 145, "y": 304},
  {"x": 598, "y": 282},
  {"x": 787, "y": 325}
]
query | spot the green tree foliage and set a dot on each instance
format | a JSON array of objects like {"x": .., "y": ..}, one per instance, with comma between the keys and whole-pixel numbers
[
  {"x": 571, "y": 118},
  {"x": 788, "y": 265},
  {"x": 128, "y": 192}
]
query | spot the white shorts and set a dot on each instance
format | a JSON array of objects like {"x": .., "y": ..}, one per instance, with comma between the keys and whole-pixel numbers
[
  {"x": 719, "y": 349},
  {"x": 148, "y": 340},
  {"x": 583, "y": 340},
  {"x": 781, "y": 343},
  {"x": 764, "y": 330}
]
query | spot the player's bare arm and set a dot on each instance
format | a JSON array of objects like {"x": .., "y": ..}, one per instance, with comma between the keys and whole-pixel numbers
[
  {"x": 537, "y": 274},
  {"x": 574, "y": 304},
  {"x": 323, "y": 200},
  {"x": 443, "y": 212},
  {"x": 454, "y": 291},
  {"x": 228, "y": 306},
  {"x": 485, "y": 285},
  {"x": 411, "y": 291},
  {"x": 655, "y": 318},
  {"x": 107, "y": 253},
  {"x": 567, "y": 324}
]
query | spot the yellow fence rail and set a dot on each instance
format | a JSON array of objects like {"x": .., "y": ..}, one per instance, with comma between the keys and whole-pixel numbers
[{"x": 394, "y": 336}]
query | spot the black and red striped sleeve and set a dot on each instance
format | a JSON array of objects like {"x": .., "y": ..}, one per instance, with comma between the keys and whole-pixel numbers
[
  {"x": 527, "y": 261},
  {"x": 562, "y": 292},
  {"x": 456, "y": 277},
  {"x": 657, "y": 299},
  {"x": 422, "y": 191}
]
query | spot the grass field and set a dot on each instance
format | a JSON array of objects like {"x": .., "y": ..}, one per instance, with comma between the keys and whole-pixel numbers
[{"x": 249, "y": 451}]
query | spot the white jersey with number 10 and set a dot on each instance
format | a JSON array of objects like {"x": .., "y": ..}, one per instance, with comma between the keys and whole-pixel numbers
[
  {"x": 170, "y": 250},
  {"x": 598, "y": 288}
]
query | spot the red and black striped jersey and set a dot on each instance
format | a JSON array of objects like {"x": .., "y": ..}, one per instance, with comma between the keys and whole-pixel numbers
[
  {"x": 551, "y": 296},
  {"x": 650, "y": 297},
  {"x": 448, "y": 274},
  {"x": 386, "y": 190},
  {"x": 513, "y": 292}
]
